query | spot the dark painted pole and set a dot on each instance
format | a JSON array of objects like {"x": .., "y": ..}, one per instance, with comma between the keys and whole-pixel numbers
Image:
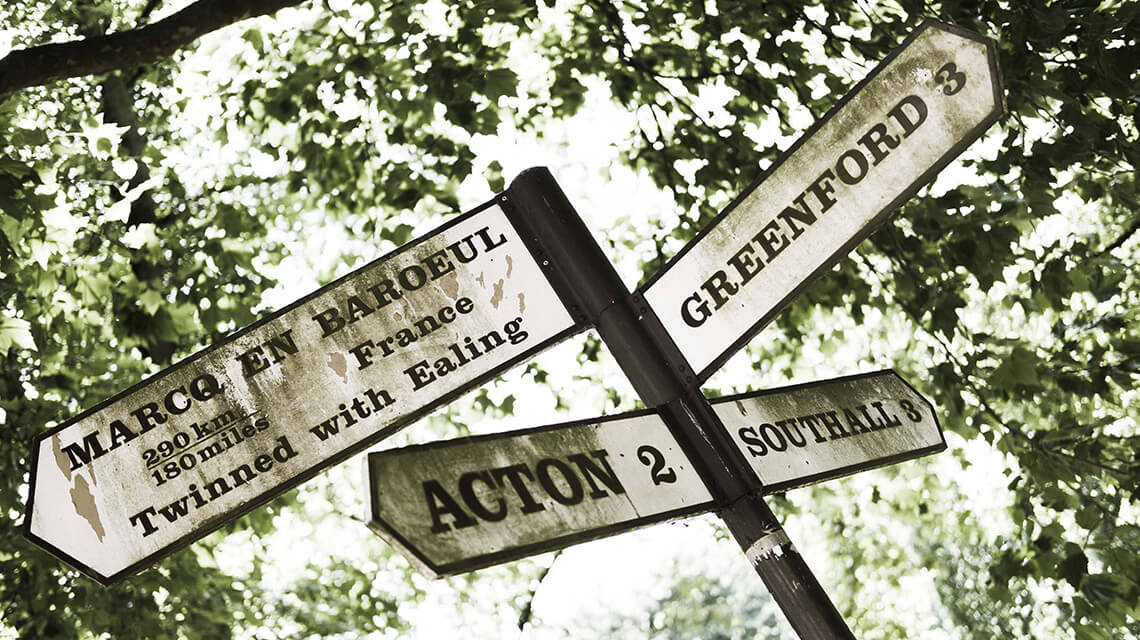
[{"x": 588, "y": 283}]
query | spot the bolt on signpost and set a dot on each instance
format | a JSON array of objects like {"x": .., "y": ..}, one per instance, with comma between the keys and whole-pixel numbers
[{"x": 160, "y": 465}]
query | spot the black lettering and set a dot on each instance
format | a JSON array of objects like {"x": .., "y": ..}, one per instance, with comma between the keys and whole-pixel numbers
[
  {"x": 488, "y": 244},
  {"x": 904, "y": 119},
  {"x": 438, "y": 264},
  {"x": 875, "y": 139},
  {"x": 177, "y": 509},
  {"x": 802, "y": 213},
  {"x": 810, "y": 422},
  {"x": 363, "y": 353},
  {"x": 701, "y": 307},
  {"x": 384, "y": 292},
  {"x": 440, "y": 503},
  {"x": 218, "y": 487},
  {"x": 148, "y": 416},
  {"x": 467, "y": 492},
  {"x": 755, "y": 444},
  {"x": 242, "y": 474},
  {"x": 420, "y": 374},
  {"x": 890, "y": 420},
  {"x": 412, "y": 278},
  {"x": 91, "y": 450},
  {"x": 426, "y": 325},
  {"x": 591, "y": 471},
  {"x": 746, "y": 267},
  {"x": 822, "y": 190},
  {"x": 170, "y": 405},
  {"x": 570, "y": 479},
  {"x": 845, "y": 173},
  {"x": 143, "y": 518},
  {"x": 771, "y": 240},
  {"x": 252, "y": 363},
  {"x": 854, "y": 423},
  {"x": 205, "y": 387},
  {"x": 357, "y": 309},
  {"x": 719, "y": 288},
  {"x": 908, "y": 406},
  {"x": 330, "y": 321},
  {"x": 834, "y": 426},
  {"x": 799, "y": 440},
  {"x": 120, "y": 434},
  {"x": 776, "y": 440},
  {"x": 456, "y": 250},
  {"x": 514, "y": 474}
]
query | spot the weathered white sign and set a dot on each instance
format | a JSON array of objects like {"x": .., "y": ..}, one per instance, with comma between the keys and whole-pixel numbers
[
  {"x": 821, "y": 430},
  {"x": 178, "y": 455},
  {"x": 460, "y": 505},
  {"x": 914, "y": 113},
  {"x": 465, "y": 504}
]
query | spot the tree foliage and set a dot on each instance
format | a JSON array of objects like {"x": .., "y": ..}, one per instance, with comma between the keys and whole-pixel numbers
[{"x": 141, "y": 210}]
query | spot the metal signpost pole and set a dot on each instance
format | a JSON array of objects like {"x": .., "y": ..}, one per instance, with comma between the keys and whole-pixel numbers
[{"x": 587, "y": 280}]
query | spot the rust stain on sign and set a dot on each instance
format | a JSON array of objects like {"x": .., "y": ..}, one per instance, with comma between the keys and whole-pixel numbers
[
  {"x": 84, "y": 502},
  {"x": 339, "y": 365},
  {"x": 522, "y": 302},
  {"x": 510, "y": 266}
]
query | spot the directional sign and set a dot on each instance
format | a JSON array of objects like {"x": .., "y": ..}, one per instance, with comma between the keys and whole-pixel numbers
[
  {"x": 461, "y": 505},
  {"x": 821, "y": 430},
  {"x": 178, "y": 455},
  {"x": 914, "y": 113}
]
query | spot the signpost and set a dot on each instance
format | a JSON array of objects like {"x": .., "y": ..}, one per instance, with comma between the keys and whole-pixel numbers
[
  {"x": 456, "y": 506},
  {"x": 173, "y": 458}
]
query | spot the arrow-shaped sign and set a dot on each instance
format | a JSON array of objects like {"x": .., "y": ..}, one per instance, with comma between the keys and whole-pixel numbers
[
  {"x": 937, "y": 93},
  {"x": 465, "y": 504},
  {"x": 178, "y": 455}
]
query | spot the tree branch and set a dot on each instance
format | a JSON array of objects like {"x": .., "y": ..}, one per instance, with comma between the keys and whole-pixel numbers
[
  {"x": 1116, "y": 244},
  {"x": 48, "y": 63},
  {"x": 528, "y": 609}
]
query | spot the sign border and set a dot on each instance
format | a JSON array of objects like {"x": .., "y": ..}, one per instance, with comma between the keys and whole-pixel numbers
[
  {"x": 213, "y": 524},
  {"x": 906, "y": 194}
]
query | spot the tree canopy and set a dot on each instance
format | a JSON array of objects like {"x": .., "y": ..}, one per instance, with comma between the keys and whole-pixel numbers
[{"x": 158, "y": 160}]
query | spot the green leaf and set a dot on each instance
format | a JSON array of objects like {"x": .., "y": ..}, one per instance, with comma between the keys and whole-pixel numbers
[
  {"x": 254, "y": 38},
  {"x": 1088, "y": 517},
  {"x": 151, "y": 300},
  {"x": 495, "y": 177},
  {"x": 15, "y": 332},
  {"x": 500, "y": 82},
  {"x": 1074, "y": 567}
]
